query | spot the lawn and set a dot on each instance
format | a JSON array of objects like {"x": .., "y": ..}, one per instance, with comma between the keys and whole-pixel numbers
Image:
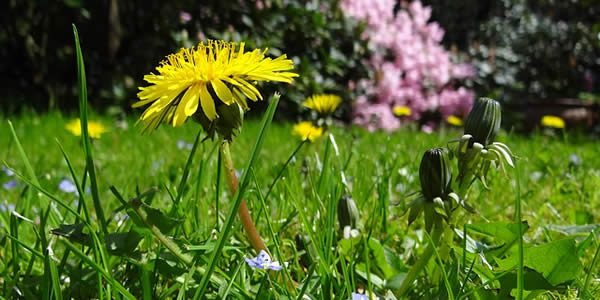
[{"x": 557, "y": 182}]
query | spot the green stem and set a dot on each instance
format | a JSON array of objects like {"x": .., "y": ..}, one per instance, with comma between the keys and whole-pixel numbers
[
  {"x": 245, "y": 217},
  {"x": 420, "y": 264}
]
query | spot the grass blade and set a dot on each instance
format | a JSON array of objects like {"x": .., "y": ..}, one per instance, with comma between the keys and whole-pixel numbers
[
  {"x": 520, "y": 278},
  {"x": 85, "y": 137},
  {"x": 107, "y": 276}
]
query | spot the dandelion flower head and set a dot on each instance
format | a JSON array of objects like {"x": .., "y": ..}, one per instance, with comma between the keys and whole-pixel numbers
[
  {"x": 95, "y": 129},
  {"x": 307, "y": 131},
  {"x": 402, "y": 111},
  {"x": 324, "y": 104},
  {"x": 206, "y": 76},
  {"x": 553, "y": 122},
  {"x": 454, "y": 120}
]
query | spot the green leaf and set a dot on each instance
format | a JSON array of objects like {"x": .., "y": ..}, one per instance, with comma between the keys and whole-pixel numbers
[
  {"x": 122, "y": 243},
  {"x": 557, "y": 261},
  {"x": 503, "y": 231},
  {"x": 155, "y": 217},
  {"x": 381, "y": 262},
  {"x": 73, "y": 232}
]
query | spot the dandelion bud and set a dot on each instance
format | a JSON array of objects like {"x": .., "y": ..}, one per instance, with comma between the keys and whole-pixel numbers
[
  {"x": 483, "y": 122},
  {"x": 347, "y": 212},
  {"x": 435, "y": 174}
]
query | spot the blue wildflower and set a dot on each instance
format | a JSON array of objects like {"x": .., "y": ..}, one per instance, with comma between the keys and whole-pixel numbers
[
  {"x": 357, "y": 296},
  {"x": 68, "y": 186},
  {"x": 10, "y": 185},
  {"x": 181, "y": 144},
  {"x": 7, "y": 207},
  {"x": 8, "y": 171},
  {"x": 263, "y": 261}
]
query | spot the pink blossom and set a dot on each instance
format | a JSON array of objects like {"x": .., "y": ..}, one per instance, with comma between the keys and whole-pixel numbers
[
  {"x": 184, "y": 17},
  {"x": 411, "y": 66}
]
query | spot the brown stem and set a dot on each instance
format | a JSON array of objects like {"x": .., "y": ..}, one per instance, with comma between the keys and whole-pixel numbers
[{"x": 245, "y": 217}]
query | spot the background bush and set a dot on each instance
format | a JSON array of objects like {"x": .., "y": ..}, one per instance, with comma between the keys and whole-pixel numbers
[
  {"x": 540, "y": 50},
  {"x": 523, "y": 50},
  {"x": 123, "y": 40}
]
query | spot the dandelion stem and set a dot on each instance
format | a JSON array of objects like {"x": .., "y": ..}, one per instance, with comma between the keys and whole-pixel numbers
[
  {"x": 420, "y": 264},
  {"x": 245, "y": 217}
]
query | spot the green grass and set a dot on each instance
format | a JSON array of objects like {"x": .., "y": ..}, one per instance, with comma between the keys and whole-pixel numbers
[{"x": 301, "y": 204}]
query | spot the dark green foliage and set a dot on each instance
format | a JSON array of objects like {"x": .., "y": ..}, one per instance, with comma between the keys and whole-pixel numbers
[
  {"x": 539, "y": 50},
  {"x": 124, "y": 40},
  {"x": 526, "y": 50}
]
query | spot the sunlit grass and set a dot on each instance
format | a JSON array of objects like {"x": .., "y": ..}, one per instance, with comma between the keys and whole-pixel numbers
[{"x": 554, "y": 191}]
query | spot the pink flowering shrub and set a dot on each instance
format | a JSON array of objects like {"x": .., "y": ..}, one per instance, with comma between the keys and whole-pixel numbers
[{"x": 410, "y": 66}]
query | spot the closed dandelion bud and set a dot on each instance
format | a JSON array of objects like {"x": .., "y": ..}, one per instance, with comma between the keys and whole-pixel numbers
[
  {"x": 347, "y": 212},
  {"x": 302, "y": 242},
  {"x": 483, "y": 122},
  {"x": 435, "y": 174}
]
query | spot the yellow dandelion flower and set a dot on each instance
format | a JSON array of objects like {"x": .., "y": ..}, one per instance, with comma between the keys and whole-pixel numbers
[
  {"x": 553, "y": 122},
  {"x": 203, "y": 76},
  {"x": 454, "y": 120},
  {"x": 402, "y": 111},
  {"x": 323, "y": 103},
  {"x": 307, "y": 131},
  {"x": 95, "y": 129}
]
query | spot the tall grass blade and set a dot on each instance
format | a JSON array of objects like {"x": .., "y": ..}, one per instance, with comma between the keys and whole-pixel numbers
[
  {"x": 85, "y": 136},
  {"x": 520, "y": 270},
  {"x": 107, "y": 276}
]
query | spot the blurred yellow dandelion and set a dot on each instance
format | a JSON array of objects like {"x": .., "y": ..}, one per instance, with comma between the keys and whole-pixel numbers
[
  {"x": 454, "y": 120},
  {"x": 307, "y": 131},
  {"x": 323, "y": 103},
  {"x": 95, "y": 129},
  {"x": 204, "y": 75},
  {"x": 553, "y": 122},
  {"x": 402, "y": 111}
]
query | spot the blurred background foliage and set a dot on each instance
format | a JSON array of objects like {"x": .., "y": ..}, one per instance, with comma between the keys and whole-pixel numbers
[{"x": 523, "y": 51}]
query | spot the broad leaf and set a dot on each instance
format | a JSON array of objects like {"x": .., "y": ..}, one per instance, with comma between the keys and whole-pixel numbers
[{"x": 557, "y": 261}]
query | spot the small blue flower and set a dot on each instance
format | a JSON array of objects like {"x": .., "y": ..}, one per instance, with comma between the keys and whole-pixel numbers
[
  {"x": 7, "y": 207},
  {"x": 181, "y": 144},
  {"x": 263, "y": 261},
  {"x": 8, "y": 171},
  {"x": 9, "y": 185},
  {"x": 574, "y": 160},
  {"x": 68, "y": 186},
  {"x": 357, "y": 296}
]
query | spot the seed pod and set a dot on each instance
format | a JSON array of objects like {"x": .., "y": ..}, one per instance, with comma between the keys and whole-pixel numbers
[
  {"x": 347, "y": 212},
  {"x": 483, "y": 122},
  {"x": 435, "y": 174}
]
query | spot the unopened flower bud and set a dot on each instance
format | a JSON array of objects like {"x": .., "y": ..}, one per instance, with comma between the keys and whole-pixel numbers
[
  {"x": 483, "y": 122},
  {"x": 435, "y": 174},
  {"x": 347, "y": 212}
]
